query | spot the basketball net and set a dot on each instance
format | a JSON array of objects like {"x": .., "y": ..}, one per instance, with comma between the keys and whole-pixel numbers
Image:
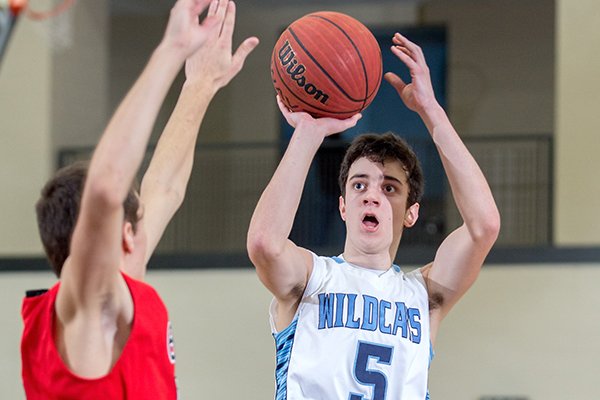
[
  {"x": 54, "y": 21},
  {"x": 55, "y": 18}
]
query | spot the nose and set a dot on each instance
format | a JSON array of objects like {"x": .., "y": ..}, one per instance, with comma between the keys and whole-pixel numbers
[{"x": 371, "y": 198}]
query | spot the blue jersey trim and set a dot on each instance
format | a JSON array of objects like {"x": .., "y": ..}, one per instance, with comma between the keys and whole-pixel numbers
[
  {"x": 431, "y": 353},
  {"x": 283, "y": 342},
  {"x": 431, "y": 356}
]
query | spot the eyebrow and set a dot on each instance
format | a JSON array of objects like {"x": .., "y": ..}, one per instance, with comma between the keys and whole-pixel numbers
[{"x": 385, "y": 178}]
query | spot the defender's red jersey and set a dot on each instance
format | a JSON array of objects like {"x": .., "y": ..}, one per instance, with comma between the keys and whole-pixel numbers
[{"x": 145, "y": 369}]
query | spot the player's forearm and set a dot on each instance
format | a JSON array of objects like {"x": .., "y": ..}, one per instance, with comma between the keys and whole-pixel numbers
[
  {"x": 469, "y": 187},
  {"x": 123, "y": 144},
  {"x": 165, "y": 182},
  {"x": 273, "y": 217},
  {"x": 171, "y": 165}
]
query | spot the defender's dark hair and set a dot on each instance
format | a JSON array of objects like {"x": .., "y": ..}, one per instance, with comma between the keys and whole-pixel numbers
[
  {"x": 382, "y": 149},
  {"x": 58, "y": 207}
]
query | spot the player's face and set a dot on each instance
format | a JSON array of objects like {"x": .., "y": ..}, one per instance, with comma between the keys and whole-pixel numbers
[{"x": 374, "y": 208}]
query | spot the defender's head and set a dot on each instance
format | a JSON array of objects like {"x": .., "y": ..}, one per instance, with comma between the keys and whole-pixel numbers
[{"x": 58, "y": 207}]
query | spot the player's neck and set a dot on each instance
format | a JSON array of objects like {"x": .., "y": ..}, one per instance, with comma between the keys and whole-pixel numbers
[{"x": 378, "y": 261}]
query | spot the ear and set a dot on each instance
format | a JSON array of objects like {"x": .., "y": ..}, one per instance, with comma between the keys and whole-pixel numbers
[
  {"x": 128, "y": 238},
  {"x": 342, "y": 207},
  {"x": 411, "y": 216}
]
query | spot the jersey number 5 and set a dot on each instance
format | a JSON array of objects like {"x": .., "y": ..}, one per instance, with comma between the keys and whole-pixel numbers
[{"x": 369, "y": 377}]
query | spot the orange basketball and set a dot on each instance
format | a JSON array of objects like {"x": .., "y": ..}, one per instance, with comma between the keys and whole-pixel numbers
[{"x": 327, "y": 64}]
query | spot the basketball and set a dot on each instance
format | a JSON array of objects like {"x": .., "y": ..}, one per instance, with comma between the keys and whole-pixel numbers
[{"x": 327, "y": 64}]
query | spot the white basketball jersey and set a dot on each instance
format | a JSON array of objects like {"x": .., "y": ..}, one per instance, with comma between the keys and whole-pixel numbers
[{"x": 358, "y": 334}]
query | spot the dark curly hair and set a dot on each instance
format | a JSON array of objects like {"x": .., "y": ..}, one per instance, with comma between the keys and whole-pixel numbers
[
  {"x": 383, "y": 148},
  {"x": 58, "y": 207}
]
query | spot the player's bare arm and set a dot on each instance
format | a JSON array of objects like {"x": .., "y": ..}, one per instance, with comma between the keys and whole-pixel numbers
[
  {"x": 93, "y": 305},
  {"x": 209, "y": 69},
  {"x": 459, "y": 258},
  {"x": 283, "y": 267}
]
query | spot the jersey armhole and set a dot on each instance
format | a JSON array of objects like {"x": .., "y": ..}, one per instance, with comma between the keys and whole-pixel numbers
[
  {"x": 35, "y": 292},
  {"x": 312, "y": 285},
  {"x": 418, "y": 275},
  {"x": 316, "y": 275}
]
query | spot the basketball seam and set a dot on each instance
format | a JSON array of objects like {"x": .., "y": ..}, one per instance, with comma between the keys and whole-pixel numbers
[
  {"x": 362, "y": 62},
  {"x": 323, "y": 69},
  {"x": 379, "y": 82}
]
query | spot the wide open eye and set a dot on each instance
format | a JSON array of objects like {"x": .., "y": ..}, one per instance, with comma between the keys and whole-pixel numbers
[
  {"x": 358, "y": 186},
  {"x": 389, "y": 189}
]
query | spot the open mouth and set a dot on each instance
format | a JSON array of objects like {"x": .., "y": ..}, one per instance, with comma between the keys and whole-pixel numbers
[{"x": 370, "y": 222}]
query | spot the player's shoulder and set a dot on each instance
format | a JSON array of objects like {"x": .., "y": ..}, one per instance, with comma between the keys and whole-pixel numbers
[
  {"x": 328, "y": 263},
  {"x": 333, "y": 260},
  {"x": 323, "y": 269}
]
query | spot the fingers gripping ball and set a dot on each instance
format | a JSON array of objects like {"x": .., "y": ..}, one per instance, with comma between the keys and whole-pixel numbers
[{"x": 327, "y": 64}]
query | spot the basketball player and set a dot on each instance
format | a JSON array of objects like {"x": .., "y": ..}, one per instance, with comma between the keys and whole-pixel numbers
[
  {"x": 356, "y": 326},
  {"x": 101, "y": 332}
]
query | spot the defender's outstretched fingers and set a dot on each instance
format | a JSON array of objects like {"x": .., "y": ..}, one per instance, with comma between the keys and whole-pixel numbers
[
  {"x": 212, "y": 9},
  {"x": 196, "y": 6},
  {"x": 222, "y": 9},
  {"x": 244, "y": 49},
  {"x": 228, "y": 25}
]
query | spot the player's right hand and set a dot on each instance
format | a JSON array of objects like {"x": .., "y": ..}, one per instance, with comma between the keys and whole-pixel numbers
[{"x": 320, "y": 126}]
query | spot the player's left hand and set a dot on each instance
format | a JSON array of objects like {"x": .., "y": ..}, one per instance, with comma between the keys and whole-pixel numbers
[{"x": 418, "y": 94}]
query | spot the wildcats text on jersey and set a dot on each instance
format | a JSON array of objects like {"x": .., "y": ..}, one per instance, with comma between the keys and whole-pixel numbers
[{"x": 338, "y": 310}]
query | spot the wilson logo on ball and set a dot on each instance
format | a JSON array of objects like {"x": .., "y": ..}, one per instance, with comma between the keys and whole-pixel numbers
[
  {"x": 287, "y": 57},
  {"x": 327, "y": 64}
]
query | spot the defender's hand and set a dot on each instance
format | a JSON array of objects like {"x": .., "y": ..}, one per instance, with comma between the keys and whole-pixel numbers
[
  {"x": 184, "y": 33},
  {"x": 214, "y": 62}
]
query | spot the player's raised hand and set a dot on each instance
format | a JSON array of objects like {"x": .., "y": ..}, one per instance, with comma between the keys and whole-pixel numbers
[
  {"x": 215, "y": 62},
  {"x": 418, "y": 94},
  {"x": 324, "y": 126},
  {"x": 184, "y": 32}
]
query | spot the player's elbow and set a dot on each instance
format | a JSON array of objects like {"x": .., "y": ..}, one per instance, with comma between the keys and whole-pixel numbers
[
  {"x": 174, "y": 196},
  {"x": 102, "y": 194},
  {"x": 488, "y": 229},
  {"x": 261, "y": 248}
]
